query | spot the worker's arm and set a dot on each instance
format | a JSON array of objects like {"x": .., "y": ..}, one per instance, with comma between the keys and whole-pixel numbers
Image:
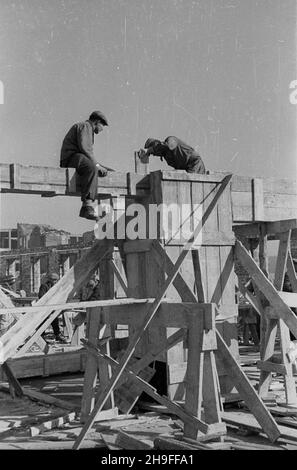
[
  {"x": 157, "y": 150},
  {"x": 85, "y": 143}
]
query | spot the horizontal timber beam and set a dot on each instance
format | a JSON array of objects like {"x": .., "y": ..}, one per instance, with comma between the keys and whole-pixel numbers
[{"x": 253, "y": 199}]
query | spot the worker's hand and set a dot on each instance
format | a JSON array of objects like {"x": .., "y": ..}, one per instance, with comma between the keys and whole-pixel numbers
[{"x": 101, "y": 171}]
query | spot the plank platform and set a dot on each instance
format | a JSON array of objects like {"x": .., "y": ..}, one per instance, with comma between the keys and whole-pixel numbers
[{"x": 253, "y": 199}]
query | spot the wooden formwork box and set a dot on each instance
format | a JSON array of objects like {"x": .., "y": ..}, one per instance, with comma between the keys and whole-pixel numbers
[{"x": 145, "y": 269}]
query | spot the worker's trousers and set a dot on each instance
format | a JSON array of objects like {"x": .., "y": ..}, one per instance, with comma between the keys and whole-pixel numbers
[{"x": 88, "y": 173}]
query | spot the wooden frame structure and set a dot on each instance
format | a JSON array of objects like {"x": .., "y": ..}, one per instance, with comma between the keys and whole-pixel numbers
[
  {"x": 273, "y": 305},
  {"x": 204, "y": 297}
]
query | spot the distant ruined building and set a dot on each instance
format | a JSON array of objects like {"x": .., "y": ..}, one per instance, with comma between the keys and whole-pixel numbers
[
  {"x": 37, "y": 236},
  {"x": 29, "y": 252}
]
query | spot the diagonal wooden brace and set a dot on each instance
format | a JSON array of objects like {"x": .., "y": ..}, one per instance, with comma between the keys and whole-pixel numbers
[
  {"x": 170, "y": 405},
  {"x": 267, "y": 288}
]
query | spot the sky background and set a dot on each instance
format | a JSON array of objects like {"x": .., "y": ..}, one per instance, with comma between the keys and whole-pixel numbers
[{"x": 215, "y": 73}]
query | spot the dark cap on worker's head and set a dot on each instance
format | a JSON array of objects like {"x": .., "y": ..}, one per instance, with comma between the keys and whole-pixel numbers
[
  {"x": 53, "y": 276},
  {"x": 98, "y": 116},
  {"x": 151, "y": 142}
]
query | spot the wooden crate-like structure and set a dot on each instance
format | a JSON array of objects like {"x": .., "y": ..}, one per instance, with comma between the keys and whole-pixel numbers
[{"x": 146, "y": 268}]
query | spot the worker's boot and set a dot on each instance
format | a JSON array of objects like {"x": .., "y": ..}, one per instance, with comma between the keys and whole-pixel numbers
[{"x": 87, "y": 211}]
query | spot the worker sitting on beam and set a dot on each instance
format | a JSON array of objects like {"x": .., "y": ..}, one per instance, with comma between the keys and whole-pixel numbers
[
  {"x": 77, "y": 152},
  {"x": 177, "y": 154}
]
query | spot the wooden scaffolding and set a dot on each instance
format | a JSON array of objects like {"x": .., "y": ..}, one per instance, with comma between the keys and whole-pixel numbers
[{"x": 180, "y": 306}]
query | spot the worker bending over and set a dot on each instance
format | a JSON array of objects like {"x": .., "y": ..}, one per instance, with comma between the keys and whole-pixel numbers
[
  {"x": 77, "y": 152},
  {"x": 177, "y": 154}
]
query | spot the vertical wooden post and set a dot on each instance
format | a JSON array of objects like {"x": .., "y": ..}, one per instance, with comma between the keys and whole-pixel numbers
[
  {"x": 140, "y": 167},
  {"x": 194, "y": 377},
  {"x": 35, "y": 274},
  {"x": 201, "y": 379},
  {"x": 263, "y": 263},
  {"x": 95, "y": 329},
  {"x": 91, "y": 369}
]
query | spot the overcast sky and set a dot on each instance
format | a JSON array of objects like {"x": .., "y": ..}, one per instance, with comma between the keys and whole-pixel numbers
[{"x": 215, "y": 73}]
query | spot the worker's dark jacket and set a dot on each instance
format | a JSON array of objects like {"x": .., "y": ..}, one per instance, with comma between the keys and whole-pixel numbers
[
  {"x": 182, "y": 157},
  {"x": 78, "y": 140},
  {"x": 44, "y": 288}
]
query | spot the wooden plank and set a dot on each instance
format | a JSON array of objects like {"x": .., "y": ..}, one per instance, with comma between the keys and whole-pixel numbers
[
  {"x": 292, "y": 274},
  {"x": 247, "y": 421},
  {"x": 271, "y": 367},
  {"x": 132, "y": 442},
  {"x": 119, "y": 277},
  {"x": 194, "y": 375},
  {"x": 281, "y": 201},
  {"x": 280, "y": 226},
  {"x": 44, "y": 398},
  {"x": 266, "y": 355},
  {"x": 150, "y": 314},
  {"x": 37, "y": 335},
  {"x": 179, "y": 283},
  {"x": 252, "y": 299},
  {"x": 169, "y": 443},
  {"x": 198, "y": 276},
  {"x": 169, "y": 314},
  {"x": 183, "y": 176},
  {"x": 69, "y": 305},
  {"x": 258, "y": 199},
  {"x": 280, "y": 185},
  {"x": 35, "y": 364},
  {"x": 212, "y": 404},
  {"x": 176, "y": 372},
  {"x": 266, "y": 287},
  {"x": 247, "y": 392},
  {"x": 15, "y": 178},
  {"x": 52, "y": 424}
]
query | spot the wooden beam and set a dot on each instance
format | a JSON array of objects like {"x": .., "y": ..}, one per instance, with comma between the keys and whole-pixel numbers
[
  {"x": 252, "y": 299},
  {"x": 258, "y": 199},
  {"x": 36, "y": 336},
  {"x": 70, "y": 305},
  {"x": 162, "y": 258},
  {"x": 44, "y": 398},
  {"x": 280, "y": 226},
  {"x": 291, "y": 273},
  {"x": 150, "y": 314}
]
